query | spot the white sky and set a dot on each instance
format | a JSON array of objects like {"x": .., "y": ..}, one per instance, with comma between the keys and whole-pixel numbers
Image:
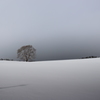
[{"x": 56, "y": 28}]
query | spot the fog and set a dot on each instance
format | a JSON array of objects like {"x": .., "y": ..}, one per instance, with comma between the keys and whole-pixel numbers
[{"x": 56, "y": 29}]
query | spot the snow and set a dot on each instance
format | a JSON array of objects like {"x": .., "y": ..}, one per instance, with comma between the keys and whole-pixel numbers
[{"x": 50, "y": 80}]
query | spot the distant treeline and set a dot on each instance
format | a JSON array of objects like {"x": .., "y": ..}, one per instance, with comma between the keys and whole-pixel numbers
[
  {"x": 32, "y": 60},
  {"x": 89, "y": 57},
  {"x": 7, "y": 59}
]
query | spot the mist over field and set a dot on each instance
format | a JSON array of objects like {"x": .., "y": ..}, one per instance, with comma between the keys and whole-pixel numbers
[{"x": 50, "y": 80}]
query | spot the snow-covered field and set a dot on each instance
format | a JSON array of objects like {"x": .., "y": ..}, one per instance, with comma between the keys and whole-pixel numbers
[{"x": 50, "y": 80}]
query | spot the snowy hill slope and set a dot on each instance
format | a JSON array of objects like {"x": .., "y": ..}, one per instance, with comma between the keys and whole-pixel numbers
[{"x": 50, "y": 80}]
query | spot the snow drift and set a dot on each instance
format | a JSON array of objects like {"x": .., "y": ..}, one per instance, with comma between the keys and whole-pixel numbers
[{"x": 50, "y": 80}]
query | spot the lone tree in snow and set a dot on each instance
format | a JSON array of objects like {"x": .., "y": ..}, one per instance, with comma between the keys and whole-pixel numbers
[{"x": 26, "y": 53}]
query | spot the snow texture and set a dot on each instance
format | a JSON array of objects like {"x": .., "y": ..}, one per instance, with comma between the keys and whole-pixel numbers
[{"x": 50, "y": 80}]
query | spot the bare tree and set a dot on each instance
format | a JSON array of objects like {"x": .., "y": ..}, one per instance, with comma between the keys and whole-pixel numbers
[{"x": 26, "y": 53}]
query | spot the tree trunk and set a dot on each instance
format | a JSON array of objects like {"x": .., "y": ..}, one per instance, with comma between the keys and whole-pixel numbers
[{"x": 26, "y": 60}]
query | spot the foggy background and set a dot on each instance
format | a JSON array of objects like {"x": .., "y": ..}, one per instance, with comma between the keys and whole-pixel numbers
[{"x": 57, "y": 29}]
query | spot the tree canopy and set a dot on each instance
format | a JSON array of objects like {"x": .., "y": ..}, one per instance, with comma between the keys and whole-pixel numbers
[{"x": 26, "y": 53}]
